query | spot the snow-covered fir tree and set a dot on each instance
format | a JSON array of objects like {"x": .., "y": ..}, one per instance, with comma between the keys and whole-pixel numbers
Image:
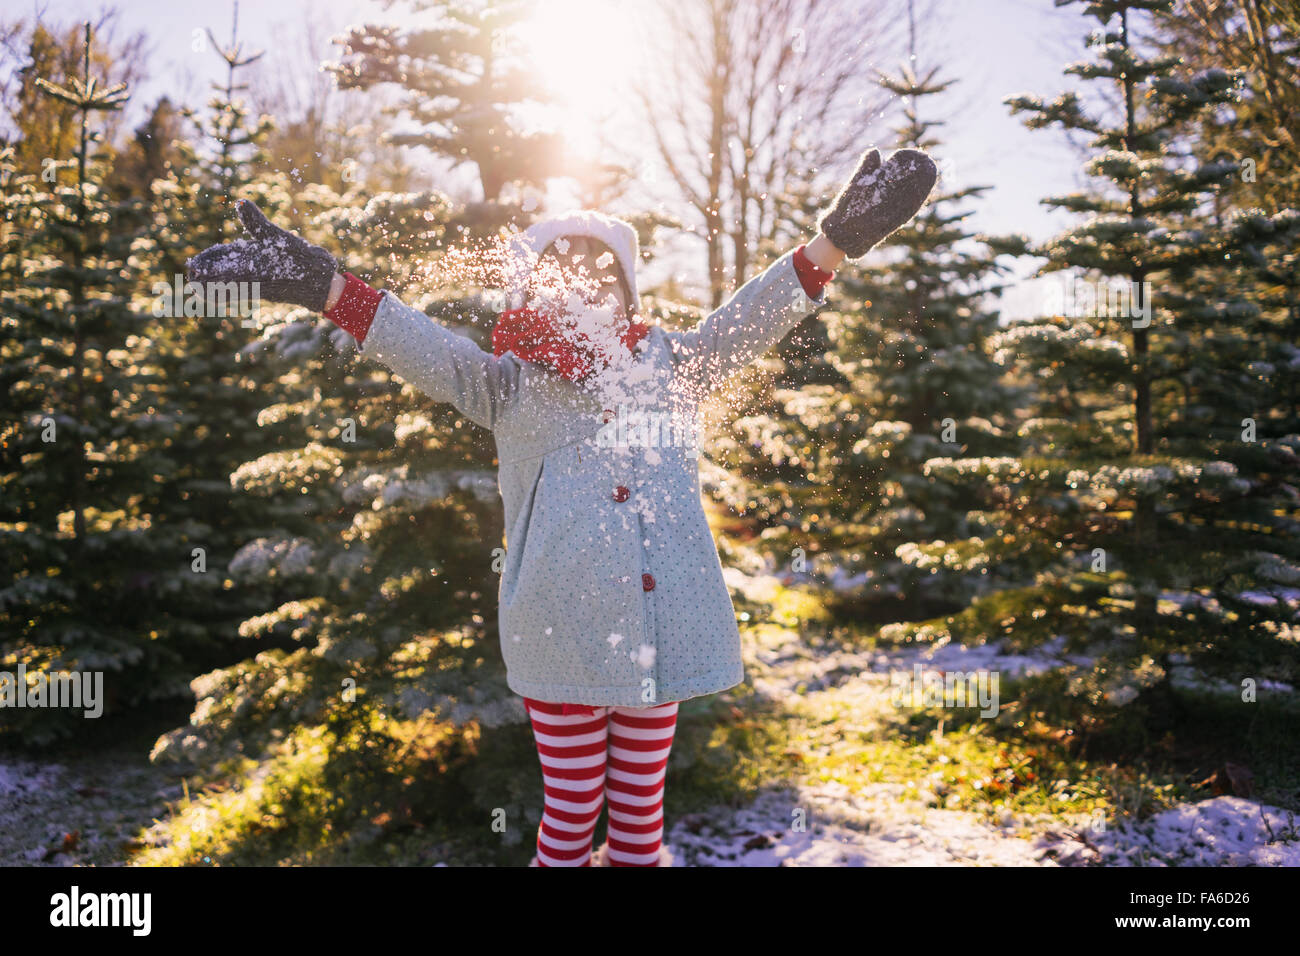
[
  {"x": 457, "y": 81},
  {"x": 203, "y": 375},
  {"x": 92, "y": 566},
  {"x": 1156, "y": 552}
]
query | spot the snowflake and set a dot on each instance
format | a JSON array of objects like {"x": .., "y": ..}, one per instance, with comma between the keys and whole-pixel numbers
[{"x": 643, "y": 656}]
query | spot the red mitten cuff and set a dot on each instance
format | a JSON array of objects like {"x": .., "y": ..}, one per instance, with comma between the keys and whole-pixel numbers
[
  {"x": 811, "y": 277},
  {"x": 356, "y": 307}
]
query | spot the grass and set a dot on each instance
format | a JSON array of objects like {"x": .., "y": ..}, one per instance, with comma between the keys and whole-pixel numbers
[{"x": 385, "y": 791}]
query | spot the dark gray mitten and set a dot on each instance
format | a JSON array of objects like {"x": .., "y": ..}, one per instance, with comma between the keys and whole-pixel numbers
[
  {"x": 878, "y": 200},
  {"x": 287, "y": 267}
]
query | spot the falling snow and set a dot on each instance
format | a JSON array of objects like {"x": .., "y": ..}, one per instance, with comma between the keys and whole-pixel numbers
[{"x": 644, "y": 656}]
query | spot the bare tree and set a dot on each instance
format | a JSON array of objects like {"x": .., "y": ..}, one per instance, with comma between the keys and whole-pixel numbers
[
  {"x": 759, "y": 106},
  {"x": 321, "y": 129}
]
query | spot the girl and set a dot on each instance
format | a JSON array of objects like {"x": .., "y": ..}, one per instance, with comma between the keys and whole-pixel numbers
[{"x": 612, "y": 605}]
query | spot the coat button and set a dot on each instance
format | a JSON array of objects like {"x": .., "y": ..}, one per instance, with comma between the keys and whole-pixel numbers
[
  {"x": 647, "y": 582},
  {"x": 621, "y": 493}
]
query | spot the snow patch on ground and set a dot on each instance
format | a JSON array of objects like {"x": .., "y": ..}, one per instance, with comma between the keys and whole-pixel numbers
[
  {"x": 82, "y": 813},
  {"x": 1224, "y": 831},
  {"x": 21, "y": 779},
  {"x": 830, "y": 825},
  {"x": 786, "y": 663},
  {"x": 884, "y": 825}
]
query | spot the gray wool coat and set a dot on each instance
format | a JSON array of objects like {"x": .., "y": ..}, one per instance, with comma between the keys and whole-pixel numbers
[{"x": 611, "y": 592}]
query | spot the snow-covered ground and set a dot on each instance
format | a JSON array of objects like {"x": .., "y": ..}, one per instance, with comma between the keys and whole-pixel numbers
[
  {"x": 51, "y": 814},
  {"x": 1224, "y": 831},
  {"x": 831, "y": 825},
  {"x": 68, "y": 814}
]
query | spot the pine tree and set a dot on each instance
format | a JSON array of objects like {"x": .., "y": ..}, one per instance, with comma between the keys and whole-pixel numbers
[
  {"x": 44, "y": 128},
  {"x": 1156, "y": 551},
  {"x": 1256, "y": 134},
  {"x": 152, "y": 152},
  {"x": 914, "y": 343},
  {"x": 86, "y": 557},
  {"x": 1260, "y": 41},
  {"x": 205, "y": 377},
  {"x": 458, "y": 80},
  {"x": 10, "y": 247}
]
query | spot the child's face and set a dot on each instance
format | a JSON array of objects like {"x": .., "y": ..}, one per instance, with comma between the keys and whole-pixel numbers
[{"x": 585, "y": 268}]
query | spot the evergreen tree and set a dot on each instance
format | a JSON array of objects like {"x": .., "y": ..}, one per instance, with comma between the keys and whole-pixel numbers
[
  {"x": 204, "y": 375},
  {"x": 1256, "y": 134},
  {"x": 152, "y": 152},
  {"x": 1157, "y": 553},
  {"x": 88, "y": 561},
  {"x": 45, "y": 128},
  {"x": 458, "y": 80},
  {"x": 1259, "y": 40},
  {"x": 914, "y": 344},
  {"x": 10, "y": 248}
]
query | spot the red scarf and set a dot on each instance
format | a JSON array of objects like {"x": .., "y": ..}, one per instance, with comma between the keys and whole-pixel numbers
[{"x": 534, "y": 337}]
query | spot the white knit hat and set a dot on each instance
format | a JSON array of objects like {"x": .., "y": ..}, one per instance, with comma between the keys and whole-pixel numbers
[{"x": 528, "y": 246}]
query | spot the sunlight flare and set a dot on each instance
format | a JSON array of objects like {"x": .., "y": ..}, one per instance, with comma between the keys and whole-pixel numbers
[{"x": 584, "y": 52}]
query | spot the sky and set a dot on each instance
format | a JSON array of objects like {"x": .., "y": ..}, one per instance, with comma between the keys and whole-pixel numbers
[{"x": 995, "y": 47}]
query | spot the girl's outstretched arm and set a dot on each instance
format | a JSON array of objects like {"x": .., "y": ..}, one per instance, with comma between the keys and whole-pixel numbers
[
  {"x": 443, "y": 365},
  {"x": 877, "y": 200}
]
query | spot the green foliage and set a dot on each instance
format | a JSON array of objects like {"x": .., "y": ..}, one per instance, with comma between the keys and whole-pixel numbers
[
  {"x": 1141, "y": 523},
  {"x": 460, "y": 112},
  {"x": 896, "y": 372},
  {"x": 96, "y": 571}
]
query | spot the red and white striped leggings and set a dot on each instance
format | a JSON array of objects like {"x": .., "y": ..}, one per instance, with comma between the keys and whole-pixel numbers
[{"x": 578, "y": 774}]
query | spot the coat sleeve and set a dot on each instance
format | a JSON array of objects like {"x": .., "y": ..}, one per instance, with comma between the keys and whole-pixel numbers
[
  {"x": 443, "y": 365},
  {"x": 753, "y": 320}
]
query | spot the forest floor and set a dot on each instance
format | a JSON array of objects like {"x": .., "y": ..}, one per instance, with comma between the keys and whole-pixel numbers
[
  {"x": 870, "y": 783},
  {"x": 87, "y": 805},
  {"x": 867, "y": 787},
  {"x": 808, "y": 763}
]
